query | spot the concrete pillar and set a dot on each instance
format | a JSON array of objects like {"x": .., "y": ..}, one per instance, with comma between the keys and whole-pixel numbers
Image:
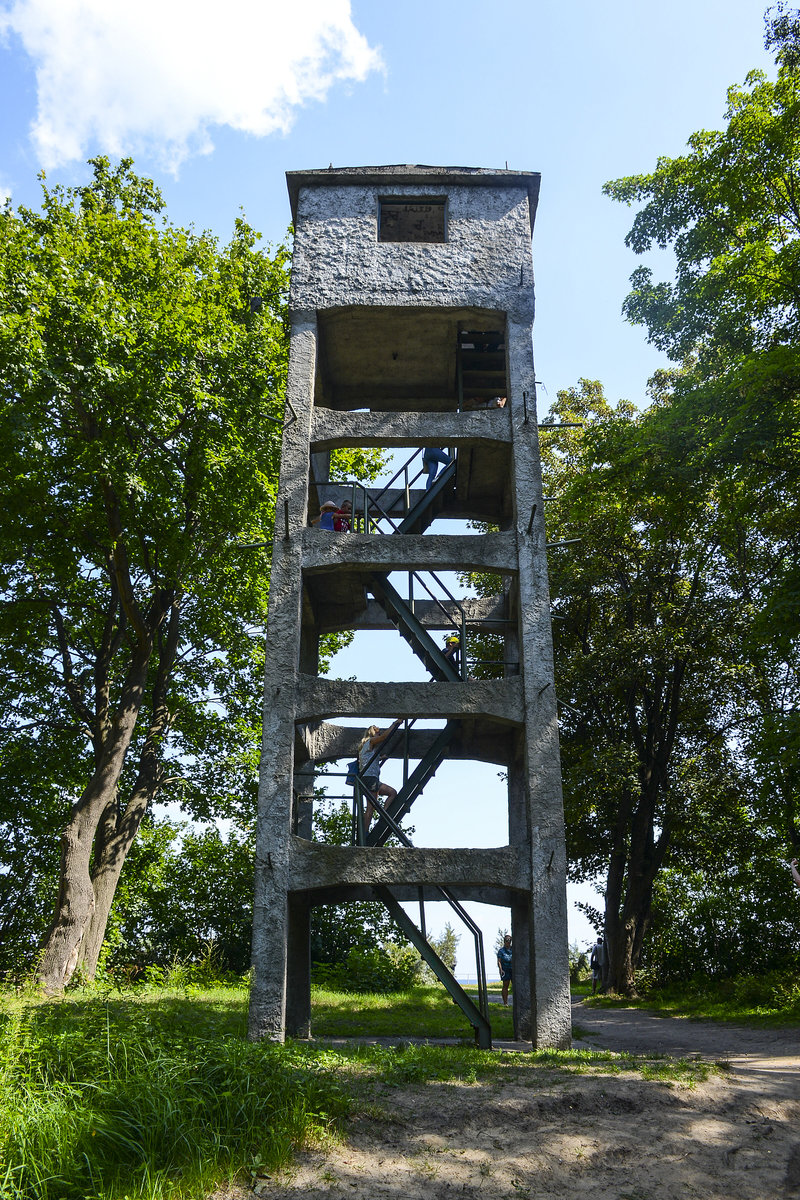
[
  {"x": 549, "y": 971},
  {"x": 267, "y": 1016}
]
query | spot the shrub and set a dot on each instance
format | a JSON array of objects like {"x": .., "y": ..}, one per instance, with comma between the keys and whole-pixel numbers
[{"x": 387, "y": 968}]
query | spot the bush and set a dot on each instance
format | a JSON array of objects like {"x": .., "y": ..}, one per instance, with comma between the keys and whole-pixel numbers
[
  {"x": 579, "y": 971},
  {"x": 387, "y": 968}
]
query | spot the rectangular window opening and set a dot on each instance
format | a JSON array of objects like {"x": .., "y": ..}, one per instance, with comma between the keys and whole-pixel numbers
[{"x": 412, "y": 219}]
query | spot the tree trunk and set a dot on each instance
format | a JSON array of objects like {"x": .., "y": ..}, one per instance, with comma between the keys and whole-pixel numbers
[
  {"x": 76, "y": 899},
  {"x": 116, "y": 832},
  {"x": 75, "y": 903},
  {"x": 112, "y": 845}
]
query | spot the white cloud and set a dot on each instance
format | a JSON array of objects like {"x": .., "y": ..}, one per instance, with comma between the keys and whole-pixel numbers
[{"x": 118, "y": 75}]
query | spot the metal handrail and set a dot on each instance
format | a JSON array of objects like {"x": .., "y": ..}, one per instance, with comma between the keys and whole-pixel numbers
[
  {"x": 461, "y": 624},
  {"x": 367, "y": 505},
  {"x": 374, "y": 503}
]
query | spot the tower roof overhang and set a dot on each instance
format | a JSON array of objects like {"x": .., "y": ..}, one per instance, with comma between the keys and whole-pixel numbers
[{"x": 411, "y": 176}]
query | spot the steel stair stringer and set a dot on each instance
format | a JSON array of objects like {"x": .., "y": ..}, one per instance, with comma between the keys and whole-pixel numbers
[
  {"x": 430, "y": 503},
  {"x": 413, "y": 631},
  {"x": 483, "y": 1030}
]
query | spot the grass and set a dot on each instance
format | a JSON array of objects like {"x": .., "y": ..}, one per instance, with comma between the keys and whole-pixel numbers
[
  {"x": 419, "y": 1012},
  {"x": 157, "y": 1094},
  {"x": 765, "y": 1001}
]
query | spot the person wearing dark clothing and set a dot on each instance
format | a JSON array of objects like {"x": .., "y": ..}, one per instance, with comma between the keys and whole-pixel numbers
[
  {"x": 431, "y": 458},
  {"x": 598, "y": 962},
  {"x": 504, "y": 960}
]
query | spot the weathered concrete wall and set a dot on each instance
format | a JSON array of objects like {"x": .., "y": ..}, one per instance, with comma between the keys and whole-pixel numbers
[
  {"x": 540, "y": 928},
  {"x": 331, "y": 430},
  {"x": 271, "y": 910},
  {"x": 486, "y": 261},
  {"x": 498, "y": 699},
  {"x": 368, "y": 552}
]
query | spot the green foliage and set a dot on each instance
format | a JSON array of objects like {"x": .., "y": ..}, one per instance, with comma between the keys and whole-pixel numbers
[
  {"x": 107, "y": 1099},
  {"x": 771, "y": 999},
  {"x": 142, "y": 370},
  {"x": 384, "y": 969},
  {"x": 162, "y": 1095},
  {"x": 446, "y": 945},
  {"x": 184, "y": 891},
  {"x": 646, "y": 647},
  {"x": 739, "y": 918},
  {"x": 729, "y": 209},
  {"x": 783, "y": 34},
  {"x": 579, "y": 971}
]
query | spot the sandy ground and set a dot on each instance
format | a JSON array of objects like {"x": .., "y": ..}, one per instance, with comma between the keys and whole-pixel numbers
[{"x": 544, "y": 1133}]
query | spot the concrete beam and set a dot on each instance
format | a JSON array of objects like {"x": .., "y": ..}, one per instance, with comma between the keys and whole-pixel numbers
[
  {"x": 317, "y": 865},
  {"x": 488, "y": 699},
  {"x": 485, "y": 611},
  {"x": 331, "y": 430},
  {"x": 323, "y": 551},
  {"x": 323, "y": 742},
  {"x": 347, "y": 893}
]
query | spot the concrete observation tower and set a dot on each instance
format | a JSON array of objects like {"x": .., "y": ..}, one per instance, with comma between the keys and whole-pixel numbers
[{"x": 411, "y": 314}]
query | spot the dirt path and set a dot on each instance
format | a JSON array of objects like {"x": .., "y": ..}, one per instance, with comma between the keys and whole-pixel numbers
[{"x": 545, "y": 1134}]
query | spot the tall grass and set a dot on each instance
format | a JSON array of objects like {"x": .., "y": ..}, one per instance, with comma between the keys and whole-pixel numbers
[
  {"x": 157, "y": 1095},
  {"x": 101, "y": 1100}
]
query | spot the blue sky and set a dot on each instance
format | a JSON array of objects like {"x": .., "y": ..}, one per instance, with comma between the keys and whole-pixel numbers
[{"x": 216, "y": 102}]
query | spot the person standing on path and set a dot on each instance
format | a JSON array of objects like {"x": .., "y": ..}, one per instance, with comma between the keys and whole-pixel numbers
[
  {"x": 598, "y": 963},
  {"x": 504, "y": 958}
]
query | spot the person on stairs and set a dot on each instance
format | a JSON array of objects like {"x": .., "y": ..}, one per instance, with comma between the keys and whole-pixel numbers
[
  {"x": 369, "y": 766},
  {"x": 431, "y": 458}
]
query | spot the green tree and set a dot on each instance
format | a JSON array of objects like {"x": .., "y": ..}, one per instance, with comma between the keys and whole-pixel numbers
[
  {"x": 142, "y": 369},
  {"x": 783, "y": 34},
  {"x": 730, "y": 211},
  {"x": 646, "y": 640}
]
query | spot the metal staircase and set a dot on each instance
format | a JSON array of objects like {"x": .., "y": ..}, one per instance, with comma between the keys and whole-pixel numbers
[
  {"x": 431, "y": 503},
  {"x": 410, "y": 628},
  {"x": 444, "y": 669},
  {"x": 477, "y": 1015}
]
